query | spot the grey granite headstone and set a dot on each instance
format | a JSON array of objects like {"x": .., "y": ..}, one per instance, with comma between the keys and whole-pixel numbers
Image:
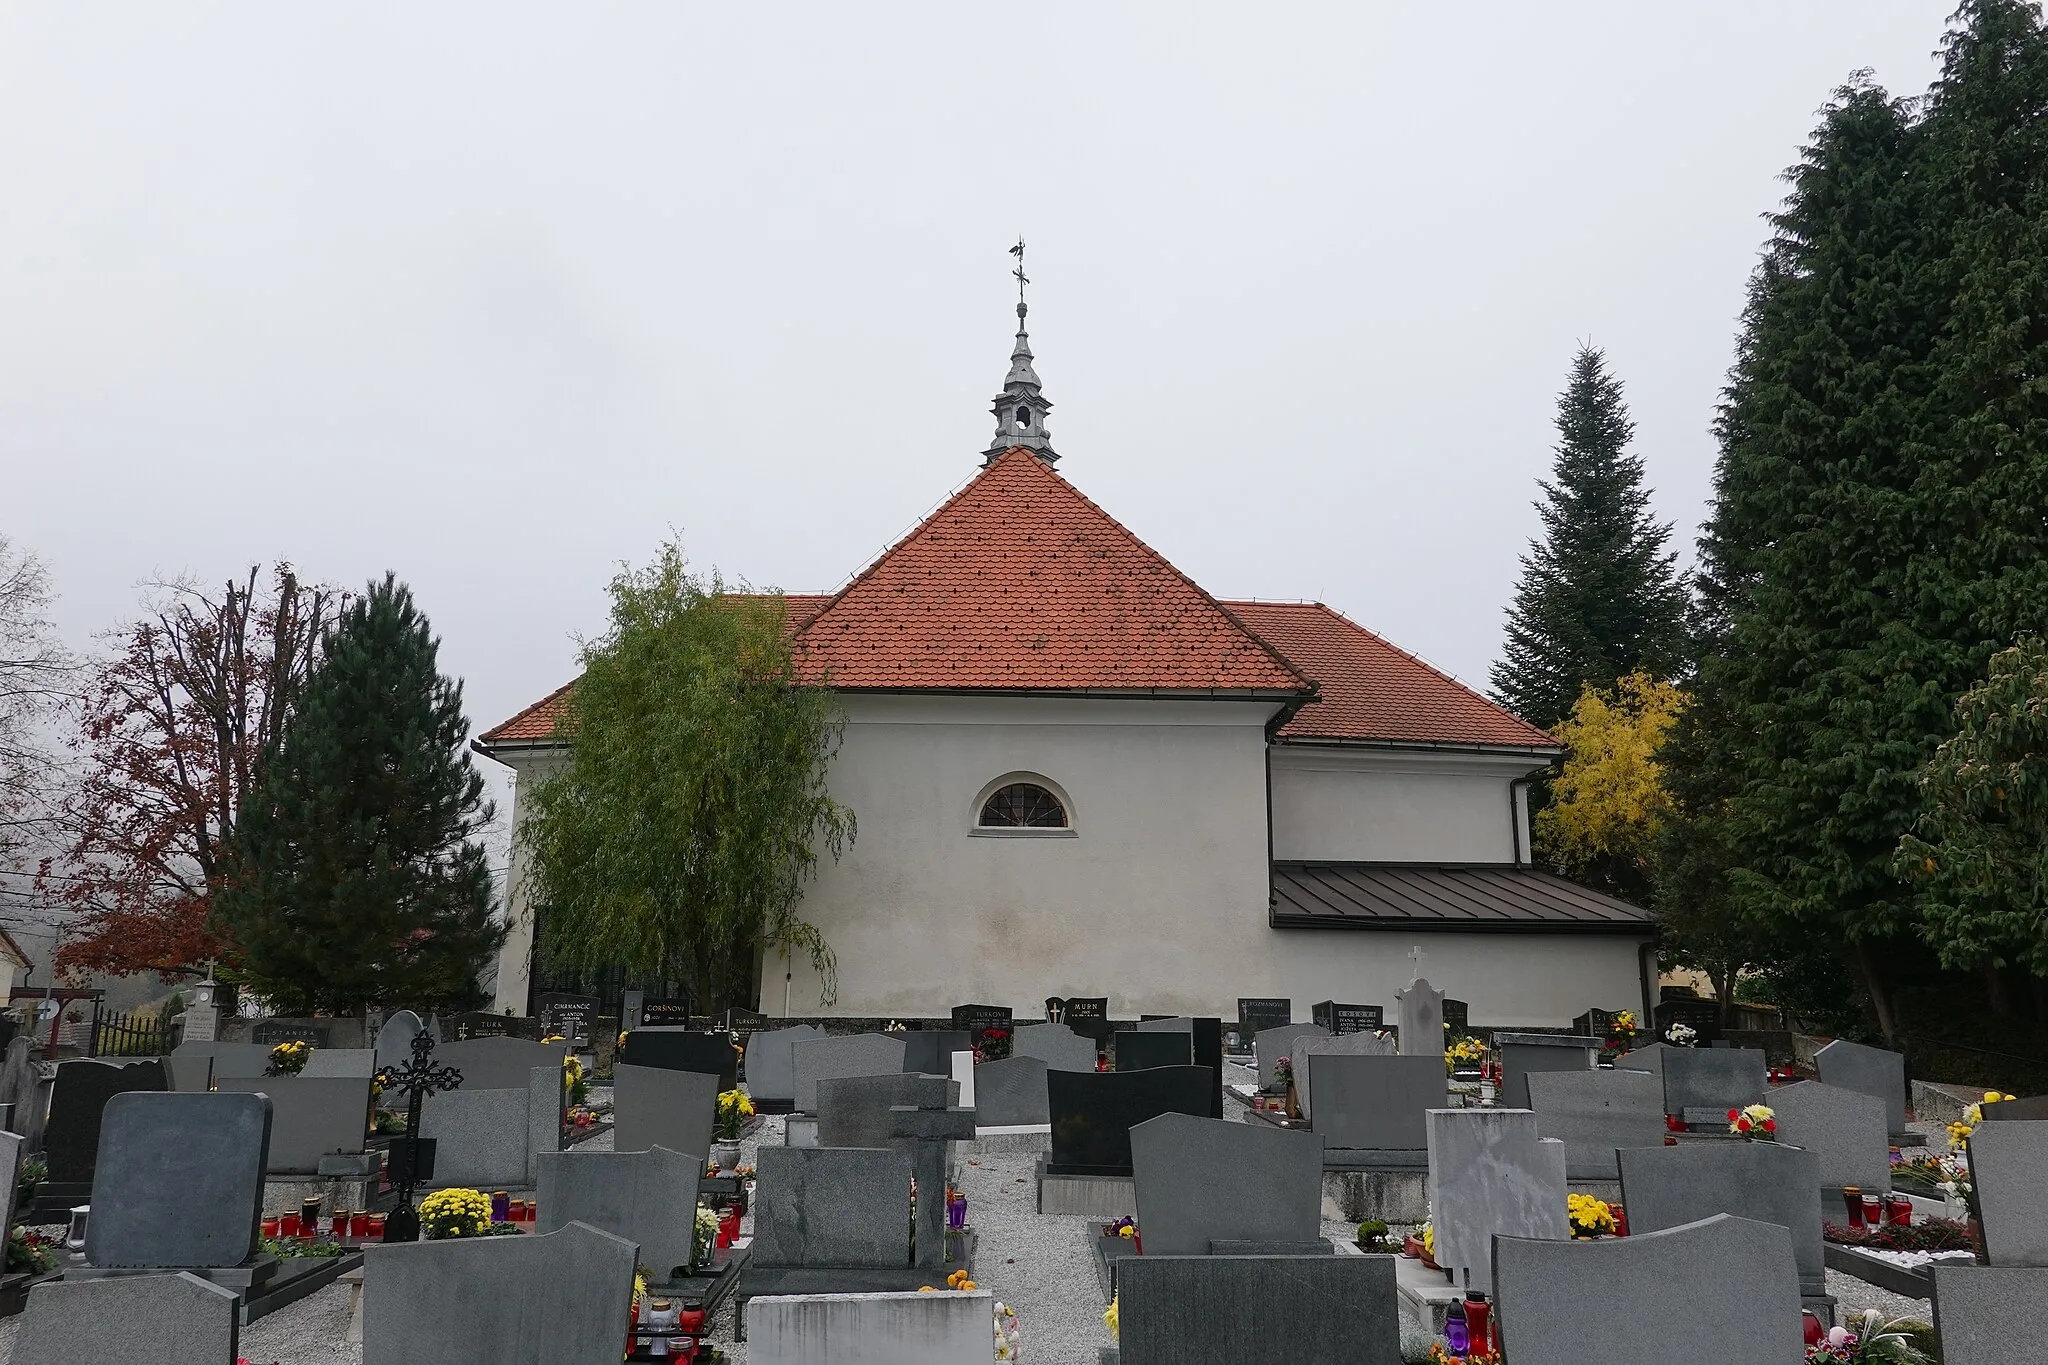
[
  {"x": 185, "y": 1320},
  {"x": 558, "y": 1299},
  {"x": 655, "y": 1107},
  {"x": 858, "y": 1111},
  {"x": 771, "y": 1061},
  {"x": 310, "y": 1117},
  {"x": 1770, "y": 1182},
  {"x": 1010, "y": 1093},
  {"x": 1720, "y": 1288},
  {"x": 930, "y": 1051},
  {"x": 870, "y": 1329},
  {"x": 12, "y": 1147},
  {"x": 351, "y": 1062},
  {"x": 1491, "y": 1174},
  {"x": 1206, "y": 1180},
  {"x": 2026, "y": 1107},
  {"x": 1523, "y": 1053},
  {"x": 194, "y": 1066},
  {"x": 1420, "y": 1012},
  {"x": 1843, "y": 1128},
  {"x": 180, "y": 1180},
  {"x": 648, "y": 1198},
  {"x": 1257, "y": 1310},
  {"x": 1720, "y": 1078},
  {"x": 1344, "y": 1044},
  {"x": 2007, "y": 1161},
  {"x": 1059, "y": 1047},
  {"x": 832, "y": 1206},
  {"x": 1377, "y": 1103},
  {"x": 1986, "y": 1315},
  {"x": 394, "y": 1039},
  {"x": 1649, "y": 1057},
  {"x": 492, "y": 1139},
  {"x": 499, "y": 1063},
  {"x": 1595, "y": 1112},
  {"x": 863, "y": 1054},
  {"x": 1872, "y": 1070},
  {"x": 1270, "y": 1045},
  {"x": 18, "y": 1078}
]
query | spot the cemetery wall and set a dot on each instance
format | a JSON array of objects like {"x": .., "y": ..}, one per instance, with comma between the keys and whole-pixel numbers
[{"x": 1396, "y": 805}]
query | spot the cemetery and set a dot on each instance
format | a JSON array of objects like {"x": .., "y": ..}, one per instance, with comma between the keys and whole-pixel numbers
[{"x": 1125, "y": 1190}]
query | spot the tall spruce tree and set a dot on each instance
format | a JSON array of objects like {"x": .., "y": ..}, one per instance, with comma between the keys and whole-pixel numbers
[
  {"x": 1599, "y": 597},
  {"x": 356, "y": 873}
]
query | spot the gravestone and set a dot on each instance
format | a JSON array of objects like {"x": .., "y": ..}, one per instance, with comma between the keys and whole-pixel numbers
[
  {"x": 573, "y": 1017},
  {"x": 558, "y": 1299},
  {"x": 1255, "y": 1014},
  {"x": 2006, "y": 1164},
  {"x": 185, "y": 1320},
  {"x": 1368, "y": 1103},
  {"x": 1594, "y": 1113},
  {"x": 656, "y": 1107},
  {"x": 2029, "y": 1107},
  {"x": 677, "y": 1049},
  {"x": 1720, "y": 1288},
  {"x": 71, "y": 1138},
  {"x": 989, "y": 1026},
  {"x": 667, "y": 1012},
  {"x": 771, "y": 1062},
  {"x": 1522, "y": 1053},
  {"x": 1275, "y": 1043},
  {"x": 929, "y": 1052},
  {"x": 648, "y": 1198},
  {"x": 1087, "y": 1015},
  {"x": 1843, "y": 1128},
  {"x": 1457, "y": 1017},
  {"x": 271, "y": 1032},
  {"x": 1136, "y": 1050},
  {"x": 1983, "y": 1315},
  {"x": 19, "y": 1083},
  {"x": 855, "y": 1111},
  {"x": 13, "y": 1146},
  {"x": 1702, "y": 1016},
  {"x": 1770, "y": 1182},
  {"x": 1490, "y": 1174},
  {"x": 1202, "y": 1181},
  {"x": 963, "y": 1079},
  {"x": 863, "y": 1054},
  {"x": 180, "y": 1181},
  {"x": 1872, "y": 1070},
  {"x": 1597, "y": 1023},
  {"x": 1421, "y": 1015},
  {"x": 196, "y": 1065},
  {"x": 499, "y": 1063},
  {"x": 832, "y": 1206},
  {"x": 1339, "y": 1019},
  {"x": 1257, "y": 1310},
  {"x": 870, "y": 1329},
  {"x": 310, "y": 1117},
  {"x": 1346, "y": 1044},
  {"x": 492, "y": 1139},
  {"x": 1714, "y": 1079},
  {"x": 1092, "y": 1113},
  {"x": 1059, "y": 1047},
  {"x": 1207, "y": 1033},
  {"x": 352, "y": 1062},
  {"x": 472, "y": 1025},
  {"x": 1010, "y": 1093}
]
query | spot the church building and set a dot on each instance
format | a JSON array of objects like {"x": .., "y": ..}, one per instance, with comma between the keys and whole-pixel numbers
[{"x": 1076, "y": 773}]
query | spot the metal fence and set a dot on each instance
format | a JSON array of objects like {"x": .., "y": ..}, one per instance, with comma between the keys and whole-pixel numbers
[{"x": 133, "y": 1035}]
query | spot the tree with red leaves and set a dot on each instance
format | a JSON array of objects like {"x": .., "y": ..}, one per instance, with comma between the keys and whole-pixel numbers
[{"x": 172, "y": 724}]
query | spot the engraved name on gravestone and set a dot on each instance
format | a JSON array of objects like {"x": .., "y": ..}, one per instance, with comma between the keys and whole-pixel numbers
[
  {"x": 1491, "y": 1174},
  {"x": 180, "y": 1180},
  {"x": 665, "y": 1013},
  {"x": 649, "y": 1198},
  {"x": 274, "y": 1031},
  {"x": 1338, "y": 1018},
  {"x": 464, "y": 1027},
  {"x": 1843, "y": 1128},
  {"x": 1872, "y": 1070},
  {"x": 990, "y": 1027},
  {"x": 1201, "y": 1181},
  {"x": 1087, "y": 1015},
  {"x": 1258, "y": 1013},
  {"x": 574, "y": 1017}
]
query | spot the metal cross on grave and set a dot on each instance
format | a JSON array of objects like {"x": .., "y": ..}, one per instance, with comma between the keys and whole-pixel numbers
[{"x": 412, "y": 1157}]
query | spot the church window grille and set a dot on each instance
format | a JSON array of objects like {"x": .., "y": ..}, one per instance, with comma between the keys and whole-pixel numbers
[{"x": 1023, "y": 805}]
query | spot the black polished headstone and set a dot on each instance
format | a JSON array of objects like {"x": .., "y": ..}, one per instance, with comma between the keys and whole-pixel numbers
[
  {"x": 2028, "y": 1107},
  {"x": 1457, "y": 1018},
  {"x": 665, "y": 1013},
  {"x": 572, "y": 1017},
  {"x": 1703, "y": 1017},
  {"x": 684, "y": 1050},
  {"x": 990, "y": 1026},
  {"x": 275, "y": 1031},
  {"x": 476, "y": 1024},
  {"x": 1348, "y": 1018},
  {"x": 1137, "y": 1050},
  {"x": 1092, "y": 1112},
  {"x": 930, "y": 1051},
  {"x": 1087, "y": 1015},
  {"x": 1207, "y": 1033},
  {"x": 78, "y": 1099},
  {"x": 1256, "y": 1013}
]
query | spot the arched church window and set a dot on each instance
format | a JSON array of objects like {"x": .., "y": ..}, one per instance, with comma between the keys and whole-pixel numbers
[
  {"x": 1023, "y": 805},
  {"x": 1023, "y": 417}
]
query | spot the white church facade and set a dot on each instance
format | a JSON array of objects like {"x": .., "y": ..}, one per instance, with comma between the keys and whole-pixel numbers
[{"x": 1076, "y": 773}]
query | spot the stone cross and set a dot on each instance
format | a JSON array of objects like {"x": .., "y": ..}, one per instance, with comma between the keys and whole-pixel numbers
[{"x": 928, "y": 1135}]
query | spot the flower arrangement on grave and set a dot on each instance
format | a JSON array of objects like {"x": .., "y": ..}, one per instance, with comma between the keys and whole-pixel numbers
[
  {"x": 289, "y": 1059},
  {"x": 1681, "y": 1035},
  {"x": 1440, "y": 1354},
  {"x": 573, "y": 1080},
  {"x": 1758, "y": 1122},
  {"x": 1589, "y": 1217},
  {"x": 1959, "y": 1131},
  {"x": 388, "y": 1122},
  {"x": 1283, "y": 1071},
  {"x": 455, "y": 1213},
  {"x": 1463, "y": 1054},
  {"x": 704, "y": 1236},
  {"x": 734, "y": 1109},
  {"x": 1372, "y": 1235},
  {"x": 1874, "y": 1340},
  {"x": 1109, "y": 1318},
  {"x": 581, "y": 1117},
  {"x": 301, "y": 1248},
  {"x": 1008, "y": 1346},
  {"x": 34, "y": 1171},
  {"x": 30, "y": 1252},
  {"x": 1932, "y": 1234},
  {"x": 1125, "y": 1226}
]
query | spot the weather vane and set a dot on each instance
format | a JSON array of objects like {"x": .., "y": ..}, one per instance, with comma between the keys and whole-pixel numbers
[{"x": 1022, "y": 279}]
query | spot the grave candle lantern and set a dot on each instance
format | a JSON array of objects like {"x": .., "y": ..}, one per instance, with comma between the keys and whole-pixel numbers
[
  {"x": 338, "y": 1225},
  {"x": 288, "y": 1225},
  {"x": 1899, "y": 1211},
  {"x": 956, "y": 1212},
  {"x": 309, "y": 1217},
  {"x": 377, "y": 1225},
  {"x": 1852, "y": 1199},
  {"x": 1457, "y": 1335},
  {"x": 74, "y": 1236},
  {"x": 500, "y": 1201},
  {"x": 270, "y": 1227},
  {"x": 1873, "y": 1210},
  {"x": 359, "y": 1223}
]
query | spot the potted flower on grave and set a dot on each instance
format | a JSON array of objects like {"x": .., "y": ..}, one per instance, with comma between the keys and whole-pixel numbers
[
  {"x": 1758, "y": 1123},
  {"x": 30, "y": 1252},
  {"x": 1283, "y": 1072},
  {"x": 734, "y": 1109},
  {"x": 455, "y": 1212},
  {"x": 1681, "y": 1035},
  {"x": 289, "y": 1059},
  {"x": 1870, "y": 1338},
  {"x": 1372, "y": 1235},
  {"x": 1589, "y": 1217}
]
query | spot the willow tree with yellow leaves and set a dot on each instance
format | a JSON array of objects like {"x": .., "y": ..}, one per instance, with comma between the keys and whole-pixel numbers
[{"x": 1608, "y": 802}]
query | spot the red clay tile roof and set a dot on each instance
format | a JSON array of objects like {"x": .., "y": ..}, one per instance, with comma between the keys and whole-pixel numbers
[
  {"x": 1374, "y": 691},
  {"x": 1020, "y": 582}
]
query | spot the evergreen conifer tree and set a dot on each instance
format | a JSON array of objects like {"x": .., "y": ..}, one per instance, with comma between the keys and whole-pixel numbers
[
  {"x": 1599, "y": 598},
  {"x": 356, "y": 873}
]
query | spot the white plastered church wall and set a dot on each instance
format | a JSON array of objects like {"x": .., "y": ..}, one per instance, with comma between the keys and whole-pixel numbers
[
  {"x": 1390, "y": 805},
  {"x": 515, "y": 957}
]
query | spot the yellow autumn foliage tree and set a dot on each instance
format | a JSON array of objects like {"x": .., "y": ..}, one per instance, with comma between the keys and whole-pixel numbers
[{"x": 1606, "y": 805}]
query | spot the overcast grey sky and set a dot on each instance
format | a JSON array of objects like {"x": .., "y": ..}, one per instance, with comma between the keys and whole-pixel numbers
[{"x": 493, "y": 295}]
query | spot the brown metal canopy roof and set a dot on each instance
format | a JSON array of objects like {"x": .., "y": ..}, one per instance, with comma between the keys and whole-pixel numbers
[{"x": 1467, "y": 897}]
